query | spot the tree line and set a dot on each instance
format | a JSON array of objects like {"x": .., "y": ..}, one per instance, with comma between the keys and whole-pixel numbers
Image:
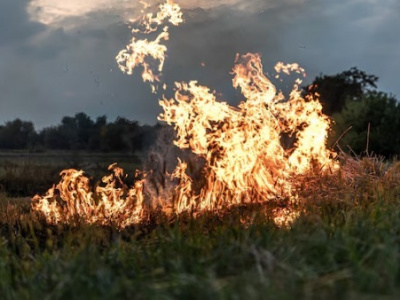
[
  {"x": 79, "y": 132},
  {"x": 365, "y": 120}
]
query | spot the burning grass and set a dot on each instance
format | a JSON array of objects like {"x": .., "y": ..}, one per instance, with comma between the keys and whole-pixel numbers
[
  {"x": 344, "y": 244},
  {"x": 244, "y": 160},
  {"x": 241, "y": 149}
]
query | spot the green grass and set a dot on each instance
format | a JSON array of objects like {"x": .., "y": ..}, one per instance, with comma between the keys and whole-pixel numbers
[{"x": 345, "y": 245}]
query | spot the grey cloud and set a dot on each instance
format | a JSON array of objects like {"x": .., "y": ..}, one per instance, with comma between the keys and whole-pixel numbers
[
  {"x": 28, "y": 38},
  {"x": 14, "y": 22},
  {"x": 60, "y": 12},
  {"x": 363, "y": 36},
  {"x": 48, "y": 44}
]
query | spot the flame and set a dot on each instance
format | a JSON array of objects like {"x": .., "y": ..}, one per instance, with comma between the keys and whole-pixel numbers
[
  {"x": 139, "y": 50},
  {"x": 112, "y": 204},
  {"x": 245, "y": 156}
]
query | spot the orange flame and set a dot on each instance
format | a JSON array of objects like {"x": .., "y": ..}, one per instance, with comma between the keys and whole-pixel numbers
[
  {"x": 246, "y": 159},
  {"x": 242, "y": 146},
  {"x": 112, "y": 204},
  {"x": 139, "y": 50}
]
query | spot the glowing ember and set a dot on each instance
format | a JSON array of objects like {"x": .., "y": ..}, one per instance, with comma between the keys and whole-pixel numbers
[
  {"x": 284, "y": 217},
  {"x": 242, "y": 147}
]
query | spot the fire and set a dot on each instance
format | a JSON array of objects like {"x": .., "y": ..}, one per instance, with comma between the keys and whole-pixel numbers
[
  {"x": 139, "y": 51},
  {"x": 111, "y": 204},
  {"x": 252, "y": 153},
  {"x": 245, "y": 158}
]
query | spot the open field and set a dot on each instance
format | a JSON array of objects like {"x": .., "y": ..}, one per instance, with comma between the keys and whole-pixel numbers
[
  {"x": 344, "y": 245},
  {"x": 23, "y": 174}
]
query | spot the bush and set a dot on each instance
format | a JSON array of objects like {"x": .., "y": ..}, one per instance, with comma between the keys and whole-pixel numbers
[{"x": 377, "y": 112}]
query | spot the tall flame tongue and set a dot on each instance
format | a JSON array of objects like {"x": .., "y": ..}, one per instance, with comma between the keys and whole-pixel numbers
[{"x": 245, "y": 160}]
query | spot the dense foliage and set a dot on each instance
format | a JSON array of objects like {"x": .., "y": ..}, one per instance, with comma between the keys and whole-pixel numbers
[{"x": 374, "y": 122}]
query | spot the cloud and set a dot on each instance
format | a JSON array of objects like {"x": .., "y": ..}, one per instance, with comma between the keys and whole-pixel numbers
[
  {"x": 72, "y": 13},
  {"x": 249, "y": 6},
  {"x": 66, "y": 13},
  {"x": 14, "y": 23},
  {"x": 47, "y": 44}
]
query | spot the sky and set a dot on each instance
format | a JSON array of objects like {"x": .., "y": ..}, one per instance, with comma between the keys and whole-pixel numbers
[{"x": 57, "y": 57}]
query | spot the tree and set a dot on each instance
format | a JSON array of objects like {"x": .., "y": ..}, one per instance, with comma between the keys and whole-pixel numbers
[
  {"x": 120, "y": 135},
  {"x": 377, "y": 111},
  {"x": 85, "y": 129},
  {"x": 97, "y": 139},
  {"x": 17, "y": 134},
  {"x": 73, "y": 133},
  {"x": 335, "y": 90},
  {"x": 68, "y": 131},
  {"x": 79, "y": 132},
  {"x": 53, "y": 138}
]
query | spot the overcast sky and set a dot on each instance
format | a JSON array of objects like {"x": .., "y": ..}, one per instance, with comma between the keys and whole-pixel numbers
[{"x": 57, "y": 57}]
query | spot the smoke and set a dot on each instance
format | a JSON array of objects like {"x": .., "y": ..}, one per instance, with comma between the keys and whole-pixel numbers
[{"x": 162, "y": 160}]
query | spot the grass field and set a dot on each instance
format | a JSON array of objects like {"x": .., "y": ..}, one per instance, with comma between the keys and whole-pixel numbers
[
  {"x": 344, "y": 245},
  {"x": 25, "y": 174}
]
